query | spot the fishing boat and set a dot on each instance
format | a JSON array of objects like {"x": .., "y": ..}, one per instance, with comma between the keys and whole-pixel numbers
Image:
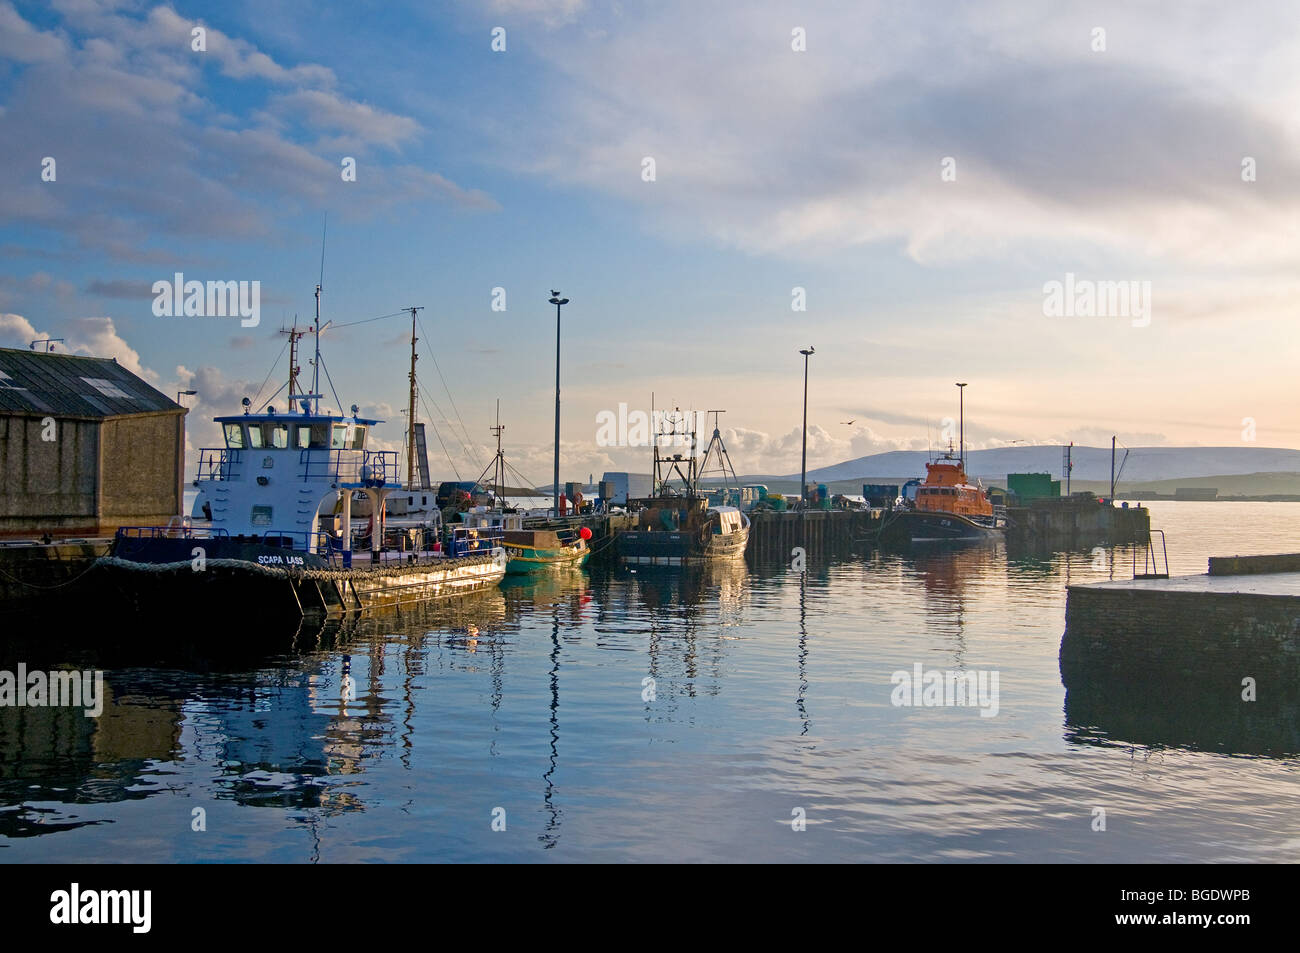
[
  {"x": 267, "y": 543},
  {"x": 677, "y": 525},
  {"x": 539, "y": 548}
]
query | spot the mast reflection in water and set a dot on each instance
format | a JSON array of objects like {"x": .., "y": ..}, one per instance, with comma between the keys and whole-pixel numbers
[{"x": 530, "y": 699}]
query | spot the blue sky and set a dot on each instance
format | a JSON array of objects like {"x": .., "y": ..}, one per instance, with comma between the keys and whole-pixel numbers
[{"x": 775, "y": 168}]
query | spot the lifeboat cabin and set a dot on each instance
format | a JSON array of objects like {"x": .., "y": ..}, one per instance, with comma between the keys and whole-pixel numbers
[{"x": 945, "y": 490}]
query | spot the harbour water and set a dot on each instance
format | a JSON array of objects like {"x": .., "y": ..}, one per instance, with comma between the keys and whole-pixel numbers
[{"x": 662, "y": 715}]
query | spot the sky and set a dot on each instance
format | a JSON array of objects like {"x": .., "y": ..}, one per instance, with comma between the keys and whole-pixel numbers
[{"x": 714, "y": 187}]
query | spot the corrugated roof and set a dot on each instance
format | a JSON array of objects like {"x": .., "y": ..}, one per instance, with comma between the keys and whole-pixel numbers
[{"x": 33, "y": 382}]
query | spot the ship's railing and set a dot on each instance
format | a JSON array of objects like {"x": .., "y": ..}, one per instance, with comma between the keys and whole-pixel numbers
[
  {"x": 215, "y": 463},
  {"x": 173, "y": 531},
  {"x": 364, "y": 467},
  {"x": 467, "y": 540},
  {"x": 303, "y": 541},
  {"x": 295, "y": 539}
]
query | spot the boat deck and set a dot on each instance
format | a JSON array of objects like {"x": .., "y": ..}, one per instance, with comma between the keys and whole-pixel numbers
[{"x": 365, "y": 560}]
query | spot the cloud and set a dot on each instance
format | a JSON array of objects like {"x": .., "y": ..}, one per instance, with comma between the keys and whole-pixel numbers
[
  {"x": 93, "y": 337},
  {"x": 354, "y": 122},
  {"x": 550, "y": 12},
  {"x": 136, "y": 82},
  {"x": 24, "y": 43},
  {"x": 777, "y": 152},
  {"x": 118, "y": 288}
]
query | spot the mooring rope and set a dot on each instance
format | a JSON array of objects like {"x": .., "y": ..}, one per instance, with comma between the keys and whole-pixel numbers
[
  {"x": 295, "y": 574},
  {"x": 58, "y": 585}
]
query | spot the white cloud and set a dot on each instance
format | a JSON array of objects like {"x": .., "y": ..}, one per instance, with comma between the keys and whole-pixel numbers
[
  {"x": 93, "y": 337},
  {"x": 777, "y": 152}
]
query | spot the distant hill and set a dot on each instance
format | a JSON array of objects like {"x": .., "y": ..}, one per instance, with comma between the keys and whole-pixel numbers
[{"x": 1145, "y": 464}]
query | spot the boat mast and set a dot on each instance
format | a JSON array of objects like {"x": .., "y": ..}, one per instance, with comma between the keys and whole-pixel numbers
[
  {"x": 315, "y": 364},
  {"x": 654, "y": 448},
  {"x": 500, "y": 473},
  {"x": 410, "y": 409},
  {"x": 961, "y": 414},
  {"x": 294, "y": 335},
  {"x": 498, "y": 464}
]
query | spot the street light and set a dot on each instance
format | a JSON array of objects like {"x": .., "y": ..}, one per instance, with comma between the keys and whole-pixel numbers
[
  {"x": 187, "y": 393},
  {"x": 559, "y": 302},
  {"x": 803, "y": 469},
  {"x": 961, "y": 415}
]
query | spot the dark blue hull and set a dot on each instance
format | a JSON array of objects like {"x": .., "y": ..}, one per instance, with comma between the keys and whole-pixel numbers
[
  {"x": 158, "y": 550},
  {"x": 207, "y": 575},
  {"x": 926, "y": 527},
  {"x": 664, "y": 548}
]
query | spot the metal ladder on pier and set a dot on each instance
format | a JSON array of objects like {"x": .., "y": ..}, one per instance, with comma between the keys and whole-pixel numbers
[{"x": 1151, "y": 559}]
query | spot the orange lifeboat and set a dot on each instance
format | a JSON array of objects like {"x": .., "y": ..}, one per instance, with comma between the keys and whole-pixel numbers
[{"x": 946, "y": 490}]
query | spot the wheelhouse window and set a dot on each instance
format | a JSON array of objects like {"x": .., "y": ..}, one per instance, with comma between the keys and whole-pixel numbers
[
  {"x": 234, "y": 436},
  {"x": 339, "y": 439},
  {"x": 315, "y": 436},
  {"x": 358, "y": 437},
  {"x": 268, "y": 435}
]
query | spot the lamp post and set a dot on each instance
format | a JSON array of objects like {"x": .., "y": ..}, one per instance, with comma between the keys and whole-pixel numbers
[
  {"x": 559, "y": 303},
  {"x": 961, "y": 416},
  {"x": 803, "y": 469},
  {"x": 187, "y": 393}
]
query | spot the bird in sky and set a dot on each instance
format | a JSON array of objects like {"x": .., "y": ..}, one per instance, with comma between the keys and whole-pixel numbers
[{"x": 848, "y": 423}]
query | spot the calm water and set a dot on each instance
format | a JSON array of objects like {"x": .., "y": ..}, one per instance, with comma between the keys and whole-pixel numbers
[{"x": 771, "y": 697}]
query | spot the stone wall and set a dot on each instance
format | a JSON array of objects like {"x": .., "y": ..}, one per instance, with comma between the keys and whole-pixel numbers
[
  {"x": 1071, "y": 523},
  {"x": 47, "y": 485},
  {"x": 141, "y": 463},
  {"x": 1178, "y": 639},
  {"x": 1247, "y": 565}
]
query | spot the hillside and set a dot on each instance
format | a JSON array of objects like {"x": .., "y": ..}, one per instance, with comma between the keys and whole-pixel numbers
[{"x": 1145, "y": 464}]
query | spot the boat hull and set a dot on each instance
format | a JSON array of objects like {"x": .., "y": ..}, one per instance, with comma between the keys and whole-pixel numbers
[
  {"x": 525, "y": 560},
  {"x": 937, "y": 527},
  {"x": 665, "y": 548},
  {"x": 189, "y": 575}
]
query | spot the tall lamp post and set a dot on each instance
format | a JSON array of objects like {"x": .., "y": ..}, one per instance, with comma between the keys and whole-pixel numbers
[
  {"x": 187, "y": 393},
  {"x": 961, "y": 416},
  {"x": 803, "y": 468},
  {"x": 559, "y": 303}
]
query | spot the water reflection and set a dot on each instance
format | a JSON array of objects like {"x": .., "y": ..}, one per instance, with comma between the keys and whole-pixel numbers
[
  {"x": 394, "y": 736},
  {"x": 1211, "y": 718},
  {"x": 800, "y": 705},
  {"x": 58, "y": 755},
  {"x": 551, "y": 836}
]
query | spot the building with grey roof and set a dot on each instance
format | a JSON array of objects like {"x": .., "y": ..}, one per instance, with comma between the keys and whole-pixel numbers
[{"x": 85, "y": 447}]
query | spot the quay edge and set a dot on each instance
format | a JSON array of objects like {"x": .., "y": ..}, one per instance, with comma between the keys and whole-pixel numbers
[{"x": 1201, "y": 633}]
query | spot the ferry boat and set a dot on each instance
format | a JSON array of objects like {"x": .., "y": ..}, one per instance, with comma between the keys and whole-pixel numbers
[
  {"x": 267, "y": 547},
  {"x": 678, "y": 525}
]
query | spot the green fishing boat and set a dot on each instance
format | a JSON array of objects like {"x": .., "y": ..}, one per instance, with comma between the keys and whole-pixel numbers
[{"x": 539, "y": 550}]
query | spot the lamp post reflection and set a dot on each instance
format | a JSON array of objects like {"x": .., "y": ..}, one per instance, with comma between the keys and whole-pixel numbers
[
  {"x": 551, "y": 838},
  {"x": 803, "y": 652}
]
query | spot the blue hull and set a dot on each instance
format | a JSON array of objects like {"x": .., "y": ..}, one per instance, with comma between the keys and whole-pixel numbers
[{"x": 947, "y": 527}]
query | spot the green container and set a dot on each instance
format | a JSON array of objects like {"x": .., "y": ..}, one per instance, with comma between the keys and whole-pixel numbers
[{"x": 1033, "y": 486}]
